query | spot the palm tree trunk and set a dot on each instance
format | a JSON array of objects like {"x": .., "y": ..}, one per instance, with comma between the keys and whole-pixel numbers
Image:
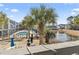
[
  {"x": 41, "y": 32},
  {"x": 28, "y": 33},
  {"x": 41, "y": 39}
]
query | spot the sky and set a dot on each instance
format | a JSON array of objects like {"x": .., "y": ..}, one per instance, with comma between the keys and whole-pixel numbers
[{"x": 16, "y": 11}]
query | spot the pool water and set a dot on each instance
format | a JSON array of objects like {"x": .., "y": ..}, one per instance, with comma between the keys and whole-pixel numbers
[{"x": 22, "y": 33}]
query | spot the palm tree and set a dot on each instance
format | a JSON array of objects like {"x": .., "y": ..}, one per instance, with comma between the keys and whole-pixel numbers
[
  {"x": 3, "y": 21},
  {"x": 42, "y": 16},
  {"x": 28, "y": 23}
]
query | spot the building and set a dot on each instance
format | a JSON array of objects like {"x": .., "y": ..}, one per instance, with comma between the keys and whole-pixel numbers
[
  {"x": 52, "y": 26},
  {"x": 11, "y": 26}
]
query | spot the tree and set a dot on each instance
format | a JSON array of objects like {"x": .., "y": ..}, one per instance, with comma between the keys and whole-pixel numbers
[
  {"x": 28, "y": 22},
  {"x": 3, "y": 21},
  {"x": 70, "y": 22},
  {"x": 76, "y": 20},
  {"x": 70, "y": 19},
  {"x": 73, "y": 22},
  {"x": 42, "y": 16}
]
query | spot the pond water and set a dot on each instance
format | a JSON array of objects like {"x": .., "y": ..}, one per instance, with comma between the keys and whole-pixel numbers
[
  {"x": 65, "y": 37},
  {"x": 61, "y": 37}
]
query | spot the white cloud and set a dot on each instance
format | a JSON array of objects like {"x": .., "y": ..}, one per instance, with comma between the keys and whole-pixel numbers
[
  {"x": 1, "y": 5},
  {"x": 14, "y": 10},
  {"x": 75, "y": 11}
]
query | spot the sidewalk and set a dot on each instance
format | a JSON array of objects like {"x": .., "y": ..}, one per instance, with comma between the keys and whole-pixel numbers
[{"x": 50, "y": 49}]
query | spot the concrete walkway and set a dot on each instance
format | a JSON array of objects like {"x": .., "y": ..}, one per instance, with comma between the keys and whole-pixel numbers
[
  {"x": 54, "y": 48},
  {"x": 50, "y": 49},
  {"x": 14, "y": 51}
]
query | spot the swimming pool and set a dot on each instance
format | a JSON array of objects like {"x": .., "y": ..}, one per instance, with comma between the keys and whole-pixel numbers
[{"x": 23, "y": 33}]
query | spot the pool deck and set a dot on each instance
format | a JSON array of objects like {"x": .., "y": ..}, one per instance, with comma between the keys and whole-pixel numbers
[{"x": 50, "y": 49}]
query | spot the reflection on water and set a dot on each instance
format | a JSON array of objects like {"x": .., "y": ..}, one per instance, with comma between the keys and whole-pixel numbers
[
  {"x": 62, "y": 36},
  {"x": 65, "y": 37}
]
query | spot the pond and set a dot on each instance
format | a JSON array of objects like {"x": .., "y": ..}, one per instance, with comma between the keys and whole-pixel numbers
[{"x": 65, "y": 37}]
